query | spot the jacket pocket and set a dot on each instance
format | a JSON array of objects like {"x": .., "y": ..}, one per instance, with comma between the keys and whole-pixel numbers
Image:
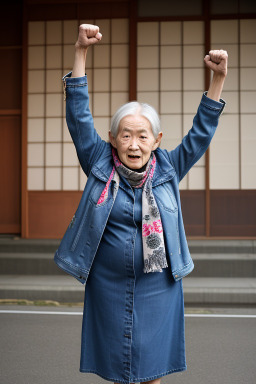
[
  {"x": 79, "y": 231},
  {"x": 97, "y": 192},
  {"x": 165, "y": 197}
]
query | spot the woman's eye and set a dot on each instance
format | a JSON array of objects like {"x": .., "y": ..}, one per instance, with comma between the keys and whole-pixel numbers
[{"x": 143, "y": 137}]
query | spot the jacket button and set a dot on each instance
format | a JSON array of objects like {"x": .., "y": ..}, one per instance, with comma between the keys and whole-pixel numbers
[{"x": 176, "y": 276}]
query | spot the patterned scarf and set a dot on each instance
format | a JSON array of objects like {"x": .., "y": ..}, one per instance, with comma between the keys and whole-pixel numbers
[{"x": 152, "y": 230}]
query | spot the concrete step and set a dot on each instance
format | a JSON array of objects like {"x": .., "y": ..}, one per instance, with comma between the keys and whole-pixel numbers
[
  {"x": 204, "y": 246},
  {"x": 28, "y": 264},
  {"x": 216, "y": 246},
  {"x": 220, "y": 291},
  {"x": 65, "y": 289},
  {"x": 224, "y": 265},
  {"x": 57, "y": 288},
  {"x": 18, "y": 245},
  {"x": 206, "y": 265}
]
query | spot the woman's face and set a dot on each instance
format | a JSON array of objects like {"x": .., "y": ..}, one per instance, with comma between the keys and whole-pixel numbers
[{"x": 135, "y": 141}]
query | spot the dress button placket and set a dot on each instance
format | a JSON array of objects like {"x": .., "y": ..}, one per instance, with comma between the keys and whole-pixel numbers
[{"x": 129, "y": 296}]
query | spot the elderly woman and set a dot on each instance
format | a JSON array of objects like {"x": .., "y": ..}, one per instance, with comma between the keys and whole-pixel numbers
[{"x": 126, "y": 240}]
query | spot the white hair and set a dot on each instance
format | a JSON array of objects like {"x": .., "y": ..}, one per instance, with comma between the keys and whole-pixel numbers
[{"x": 132, "y": 108}]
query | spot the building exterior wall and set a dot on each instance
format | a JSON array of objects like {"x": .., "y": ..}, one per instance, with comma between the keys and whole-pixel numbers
[{"x": 156, "y": 58}]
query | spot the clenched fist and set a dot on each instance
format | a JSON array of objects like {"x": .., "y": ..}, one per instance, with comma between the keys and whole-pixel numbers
[
  {"x": 88, "y": 35},
  {"x": 217, "y": 61}
]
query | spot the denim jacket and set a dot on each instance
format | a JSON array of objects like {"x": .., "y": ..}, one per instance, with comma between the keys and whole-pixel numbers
[{"x": 81, "y": 240}]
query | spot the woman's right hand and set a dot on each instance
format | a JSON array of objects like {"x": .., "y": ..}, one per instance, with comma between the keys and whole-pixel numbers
[{"x": 88, "y": 35}]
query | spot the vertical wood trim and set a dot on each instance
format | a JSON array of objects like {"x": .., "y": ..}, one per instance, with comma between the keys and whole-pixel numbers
[
  {"x": 159, "y": 67},
  {"x": 207, "y": 77},
  {"x": 110, "y": 69},
  {"x": 239, "y": 107},
  {"x": 45, "y": 99},
  {"x": 133, "y": 50},
  {"x": 24, "y": 192},
  {"x": 62, "y": 109},
  {"x": 182, "y": 88}
]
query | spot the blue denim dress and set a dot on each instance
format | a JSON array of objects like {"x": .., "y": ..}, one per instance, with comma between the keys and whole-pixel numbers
[{"x": 133, "y": 323}]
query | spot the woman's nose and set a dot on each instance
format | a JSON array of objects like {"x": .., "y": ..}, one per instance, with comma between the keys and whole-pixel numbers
[{"x": 134, "y": 144}]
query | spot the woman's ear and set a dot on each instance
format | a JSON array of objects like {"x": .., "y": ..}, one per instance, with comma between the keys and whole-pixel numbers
[
  {"x": 112, "y": 139},
  {"x": 158, "y": 141}
]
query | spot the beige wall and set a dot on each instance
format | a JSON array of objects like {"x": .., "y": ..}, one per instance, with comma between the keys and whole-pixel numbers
[
  {"x": 170, "y": 76},
  {"x": 233, "y": 155},
  {"x": 52, "y": 159}
]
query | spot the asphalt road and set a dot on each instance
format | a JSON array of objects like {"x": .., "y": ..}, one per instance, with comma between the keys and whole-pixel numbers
[{"x": 45, "y": 348}]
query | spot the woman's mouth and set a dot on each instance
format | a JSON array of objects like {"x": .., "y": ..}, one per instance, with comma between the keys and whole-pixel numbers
[{"x": 133, "y": 157}]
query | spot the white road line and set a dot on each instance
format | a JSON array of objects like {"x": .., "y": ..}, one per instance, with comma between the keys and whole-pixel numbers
[
  {"x": 209, "y": 315},
  {"x": 41, "y": 312},
  {"x": 201, "y": 315}
]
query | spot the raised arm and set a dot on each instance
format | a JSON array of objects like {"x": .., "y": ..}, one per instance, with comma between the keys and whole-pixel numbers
[
  {"x": 88, "y": 35},
  {"x": 205, "y": 122},
  {"x": 217, "y": 61},
  {"x": 88, "y": 143}
]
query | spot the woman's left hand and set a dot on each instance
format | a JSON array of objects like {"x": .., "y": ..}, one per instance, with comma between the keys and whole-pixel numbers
[{"x": 217, "y": 61}]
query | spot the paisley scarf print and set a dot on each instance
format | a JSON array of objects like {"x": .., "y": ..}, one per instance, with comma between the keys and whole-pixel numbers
[{"x": 152, "y": 231}]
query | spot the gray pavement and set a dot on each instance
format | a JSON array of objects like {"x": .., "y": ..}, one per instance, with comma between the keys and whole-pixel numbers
[
  {"x": 45, "y": 348},
  {"x": 66, "y": 289}
]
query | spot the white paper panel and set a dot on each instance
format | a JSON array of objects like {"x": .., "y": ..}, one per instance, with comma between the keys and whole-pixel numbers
[
  {"x": 197, "y": 178},
  {"x": 120, "y": 55},
  {"x": 70, "y": 31},
  {"x": 53, "y": 154},
  {"x": 147, "y": 57},
  {"x": 224, "y": 31},
  {"x": 35, "y": 154},
  {"x": 54, "y": 105},
  {"x": 36, "y": 130},
  {"x": 101, "y": 104},
  {"x": 193, "y": 32},
  {"x": 36, "y": 81},
  {"x": 35, "y": 179},
  {"x": 69, "y": 155},
  {"x": 53, "y": 178},
  {"x": 118, "y": 99},
  {"x": 147, "y": 80},
  {"x": 35, "y": 105},
  {"x": 170, "y": 102},
  {"x": 170, "y": 32},
  {"x": 151, "y": 98},
  {"x": 119, "y": 31},
  {"x": 170, "y": 57},
  {"x": 53, "y": 32},
  {"x": 53, "y": 129},
  {"x": 101, "y": 56},
  {"x": 36, "y": 32},
  {"x": 148, "y": 33},
  {"x": 70, "y": 178},
  {"x": 54, "y": 57},
  {"x": 248, "y": 31},
  {"x": 119, "y": 79},
  {"x": 171, "y": 80}
]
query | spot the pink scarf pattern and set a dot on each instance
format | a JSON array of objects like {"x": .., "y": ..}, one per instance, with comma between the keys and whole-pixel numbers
[{"x": 152, "y": 230}]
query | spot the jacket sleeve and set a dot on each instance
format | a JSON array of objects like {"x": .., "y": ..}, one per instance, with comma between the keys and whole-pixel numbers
[
  {"x": 198, "y": 139},
  {"x": 88, "y": 143}
]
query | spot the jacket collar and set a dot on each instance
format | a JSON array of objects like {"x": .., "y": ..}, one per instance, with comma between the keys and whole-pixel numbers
[{"x": 164, "y": 171}]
